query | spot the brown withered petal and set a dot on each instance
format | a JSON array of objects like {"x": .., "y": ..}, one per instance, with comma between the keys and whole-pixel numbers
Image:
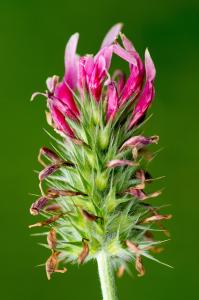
[
  {"x": 53, "y": 207},
  {"x": 155, "y": 194},
  {"x": 88, "y": 216},
  {"x": 156, "y": 218},
  {"x": 133, "y": 247},
  {"x": 38, "y": 205},
  {"x": 48, "y": 171},
  {"x": 84, "y": 253},
  {"x": 56, "y": 193},
  {"x": 137, "y": 193},
  {"x": 52, "y": 239},
  {"x": 159, "y": 224},
  {"x": 149, "y": 236},
  {"x": 51, "y": 264},
  {"x": 120, "y": 271},
  {"x": 156, "y": 250},
  {"x": 46, "y": 222},
  {"x": 139, "y": 266},
  {"x": 49, "y": 154},
  {"x": 140, "y": 174},
  {"x": 120, "y": 163}
]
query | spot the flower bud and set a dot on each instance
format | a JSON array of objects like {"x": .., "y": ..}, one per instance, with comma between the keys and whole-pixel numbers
[
  {"x": 104, "y": 136},
  {"x": 91, "y": 158},
  {"x": 96, "y": 115},
  {"x": 101, "y": 181}
]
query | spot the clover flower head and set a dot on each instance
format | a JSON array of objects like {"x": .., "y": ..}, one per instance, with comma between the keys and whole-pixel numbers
[{"x": 94, "y": 183}]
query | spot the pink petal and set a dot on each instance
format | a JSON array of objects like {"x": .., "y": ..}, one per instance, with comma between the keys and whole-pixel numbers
[
  {"x": 71, "y": 61},
  {"x": 111, "y": 35},
  {"x": 60, "y": 122},
  {"x": 124, "y": 54},
  {"x": 86, "y": 66},
  {"x": 149, "y": 66},
  {"x": 127, "y": 43},
  {"x": 89, "y": 64},
  {"x": 112, "y": 105},
  {"x": 134, "y": 83}
]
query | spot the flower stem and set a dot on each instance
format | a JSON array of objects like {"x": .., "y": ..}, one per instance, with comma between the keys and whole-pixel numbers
[{"x": 106, "y": 276}]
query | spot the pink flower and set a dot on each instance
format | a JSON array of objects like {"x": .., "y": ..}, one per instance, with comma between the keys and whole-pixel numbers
[
  {"x": 134, "y": 82},
  {"x": 89, "y": 75},
  {"x": 94, "y": 69}
]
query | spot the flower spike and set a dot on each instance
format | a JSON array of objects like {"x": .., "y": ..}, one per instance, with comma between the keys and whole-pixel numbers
[{"x": 95, "y": 203}]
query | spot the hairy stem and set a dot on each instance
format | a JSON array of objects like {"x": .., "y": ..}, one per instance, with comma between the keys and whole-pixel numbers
[{"x": 106, "y": 276}]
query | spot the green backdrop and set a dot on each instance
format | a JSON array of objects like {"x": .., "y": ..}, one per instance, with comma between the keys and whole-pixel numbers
[{"x": 32, "y": 38}]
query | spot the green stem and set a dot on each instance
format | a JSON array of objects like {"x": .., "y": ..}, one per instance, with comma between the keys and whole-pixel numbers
[{"x": 106, "y": 276}]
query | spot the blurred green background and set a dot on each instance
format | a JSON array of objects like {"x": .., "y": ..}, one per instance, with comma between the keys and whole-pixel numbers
[{"x": 33, "y": 36}]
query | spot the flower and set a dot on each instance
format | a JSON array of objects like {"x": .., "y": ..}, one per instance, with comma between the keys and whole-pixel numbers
[
  {"x": 89, "y": 76},
  {"x": 93, "y": 183}
]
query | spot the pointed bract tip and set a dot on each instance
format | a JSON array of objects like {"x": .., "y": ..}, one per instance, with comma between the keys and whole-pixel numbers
[
  {"x": 149, "y": 66},
  {"x": 112, "y": 35},
  {"x": 72, "y": 44}
]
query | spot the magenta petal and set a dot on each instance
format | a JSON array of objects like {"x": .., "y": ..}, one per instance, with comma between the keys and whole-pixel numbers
[
  {"x": 71, "y": 61},
  {"x": 112, "y": 105},
  {"x": 134, "y": 83},
  {"x": 63, "y": 93},
  {"x": 132, "y": 86},
  {"x": 148, "y": 92},
  {"x": 111, "y": 35},
  {"x": 98, "y": 75},
  {"x": 60, "y": 122},
  {"x": 143, "y": 103}
]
